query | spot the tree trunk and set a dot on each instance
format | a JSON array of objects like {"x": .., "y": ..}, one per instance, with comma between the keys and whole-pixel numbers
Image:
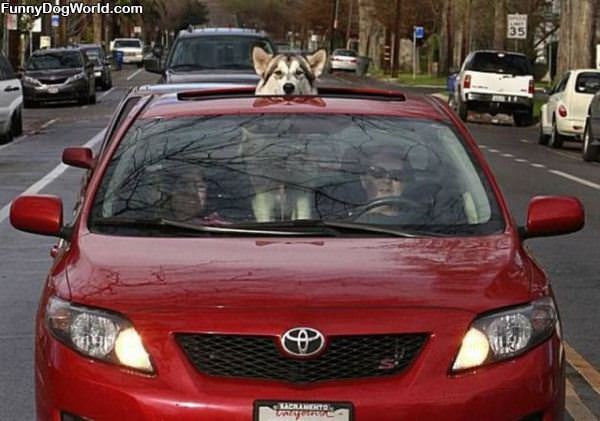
[
  {"x": 97, "y": 27},
  {"x": 446, "y": 39},
  {"x": 500, "y": 24},
  {"x": 576, "y": 34}
]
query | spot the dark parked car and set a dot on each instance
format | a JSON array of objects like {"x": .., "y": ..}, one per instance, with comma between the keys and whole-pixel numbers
[
  {"x": 211, "y": 55},
  {"x": 102, "y": 69},
  {"x": 59, "y": 74},
  {"x": 341, "y": 257},
  {"x": 591, "y": 134}
]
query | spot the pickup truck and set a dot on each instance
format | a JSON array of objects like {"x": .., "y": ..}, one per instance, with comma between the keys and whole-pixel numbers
[{"x": 496, "y": 82}]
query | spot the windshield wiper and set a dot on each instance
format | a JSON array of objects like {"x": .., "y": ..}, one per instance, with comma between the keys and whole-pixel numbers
[
  {"x": 168, "y": 224},
  {"x": 189, "y": 66},
  {"x": 339, "y": 226}
]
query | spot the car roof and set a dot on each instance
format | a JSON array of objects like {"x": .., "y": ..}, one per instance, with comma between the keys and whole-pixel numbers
[
  {"x": 330, "y": 100},
  {"x": 199, "y": 32},
  {"x": 512, "y": 53},
  {"x": 56, "y": 50},
  {"x": 85, "y": 46}
]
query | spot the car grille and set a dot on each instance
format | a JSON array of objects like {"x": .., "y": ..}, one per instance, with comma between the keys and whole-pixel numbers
[
  {"x": 53, "y": 81},
  {"x": 259, "y": 357}
]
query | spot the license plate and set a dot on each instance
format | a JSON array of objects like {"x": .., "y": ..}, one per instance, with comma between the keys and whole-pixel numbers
[
  {"x": 52, "y": 90},
  {"x": 302, "y": 411},
  {"x": 97, "y": 74},
  {"x": 498, "y": 98}
]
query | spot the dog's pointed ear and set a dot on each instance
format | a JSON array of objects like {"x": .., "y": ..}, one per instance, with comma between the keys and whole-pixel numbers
[
  {"x": 261, "y": 59},
  {"x": 317, "y": 61}
]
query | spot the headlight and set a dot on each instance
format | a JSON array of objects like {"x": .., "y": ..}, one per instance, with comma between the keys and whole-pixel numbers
[
  {"x": 76, "y": 77},
  {"x": 506, "y": 334},
  {"x": 97, "y": 334},
  {"x": 31, "y": 81}
]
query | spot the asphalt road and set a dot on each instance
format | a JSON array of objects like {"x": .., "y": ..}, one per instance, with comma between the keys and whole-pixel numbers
[{"x": 523, "y": 169}]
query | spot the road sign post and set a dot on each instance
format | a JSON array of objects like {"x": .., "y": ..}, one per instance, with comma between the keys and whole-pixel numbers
[{"x": 418, "y": 33}]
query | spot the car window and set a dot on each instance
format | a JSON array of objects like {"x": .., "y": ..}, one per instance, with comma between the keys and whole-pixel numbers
[
  {"x": 587, "y": 83},
  {"x": 6, "y": 71},
  {"x": 563, "y": 83},
  {"x": 293, "y": 167},
  {"x": 94, "y": 54},
  {"x": 63, "y": 60},
  {"x": 128, "y": 43},
  {"x": 493, "y": 62},
  {"x": 347, "y": 53},
  {"x": 217, "y": 52}
]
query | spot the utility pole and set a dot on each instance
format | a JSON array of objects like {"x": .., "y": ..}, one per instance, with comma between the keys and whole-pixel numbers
[
  {"x": 334, "y": 24},
  {"x": 396, "y": 41}
]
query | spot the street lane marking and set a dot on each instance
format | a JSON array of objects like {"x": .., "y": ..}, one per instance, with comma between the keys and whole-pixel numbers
[
  {"x": 48, "y": 123},
  {"x": 538, "y": 165},
  {"x": 493, "y": 150},
  {"x": 107, "y": 92},
  {"x": 134, "y": 74},
  {"x": 482, "y": 147},
  {"x": 520, "y": 160},
  {"x": 526, "y": 141},
  {"x": 575, "y": 407},
  {"x": 508, "y": 155},
  {"x": 18, "y": 140},
  {"x": 576, "y": 179},
  {"x": 587, "y": 371},
  {"x": 50, "y": 177}
]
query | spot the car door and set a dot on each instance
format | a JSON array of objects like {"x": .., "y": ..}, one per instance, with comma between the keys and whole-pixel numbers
[{"x": 11, "y": 95}]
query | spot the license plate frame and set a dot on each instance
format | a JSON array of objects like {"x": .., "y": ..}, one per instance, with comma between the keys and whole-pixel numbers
[
  {"x": 499, "y": 98},
  {"x": 52, "y": 90},
  {"x": 265, "y": 410}
]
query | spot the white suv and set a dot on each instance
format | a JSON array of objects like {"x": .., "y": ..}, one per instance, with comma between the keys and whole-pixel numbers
[
  {"x": 132, "y": 48},
  {"x": 496, "y": 82},
  {"x": 11, "y": 102}
]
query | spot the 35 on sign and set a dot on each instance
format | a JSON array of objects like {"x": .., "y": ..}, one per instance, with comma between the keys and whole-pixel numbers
[{"x": 516, "y": 26}]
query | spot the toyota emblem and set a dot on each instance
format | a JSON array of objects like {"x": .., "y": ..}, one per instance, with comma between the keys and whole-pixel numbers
[{"x": 302, "y": 341}]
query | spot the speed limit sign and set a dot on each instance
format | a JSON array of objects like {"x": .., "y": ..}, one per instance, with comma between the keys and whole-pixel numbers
[{"x": 517, "y": 27}]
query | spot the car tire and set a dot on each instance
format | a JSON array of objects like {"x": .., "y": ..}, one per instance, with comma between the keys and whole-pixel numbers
[
  {"x": 523, "y": 119},
  {"x": 589, "y": 152},
  {"x": 543, "y": 138},
  {"x": 463, "y": 110},
  {"x": 556, "y": 139},
  {"x": 17, "y": 124},
  {"x": 8, "y": 136}
]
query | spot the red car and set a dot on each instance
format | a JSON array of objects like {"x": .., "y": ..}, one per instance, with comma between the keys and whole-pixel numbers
[{"x": 341, "y": 257}]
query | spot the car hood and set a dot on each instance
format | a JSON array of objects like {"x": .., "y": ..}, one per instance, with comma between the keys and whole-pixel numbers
[
  {"x": 165, "y": 274},
  {"x": 53, "y": 73},
  {"x": 235, "y": 77}
]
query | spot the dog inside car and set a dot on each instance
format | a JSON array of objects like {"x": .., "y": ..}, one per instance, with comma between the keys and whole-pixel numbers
[{"x": 288, "y": 74}]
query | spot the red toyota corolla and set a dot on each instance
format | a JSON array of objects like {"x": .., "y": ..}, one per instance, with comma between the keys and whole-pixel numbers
[{"x": 341, "y": 257}]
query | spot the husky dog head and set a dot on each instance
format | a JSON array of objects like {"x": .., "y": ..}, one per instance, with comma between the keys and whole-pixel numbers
[{"x": 288, "y": 74}]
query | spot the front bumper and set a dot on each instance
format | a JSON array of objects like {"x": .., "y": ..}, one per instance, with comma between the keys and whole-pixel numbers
[
  {"x": 59, "y": 92},
  {"x": 532, "y": 384},
  {"x": 343, "y": 65}
]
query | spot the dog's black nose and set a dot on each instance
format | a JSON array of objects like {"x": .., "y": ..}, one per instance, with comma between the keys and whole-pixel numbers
[{"x": 288, "y": 88}]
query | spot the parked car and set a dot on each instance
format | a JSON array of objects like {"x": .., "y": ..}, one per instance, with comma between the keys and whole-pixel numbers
[
  {"x": 11, "y": 102},
  {"x": 59, "y": 74},
  {"x": 563, "y": 116},
  {"x": 343, "y": 60},
  {"x": 591, "y": 133},
  {"x": 347, "y": 256},
  {"x": 102, "y": 70},
  {"x": 496, "y": 82},
  {"x": 211, "y": 55},
  {"x": 132, "y": 48}
]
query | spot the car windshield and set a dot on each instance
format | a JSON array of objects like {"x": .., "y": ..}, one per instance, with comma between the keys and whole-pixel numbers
[
  {"x": 93, "y": 53},
  {"x": 64, "y": 60},
  {"x": 218, "y": 52},
  {"x": 346, "y": 53},
  {"x": 491, "y": 62},
  {"x": 128, "y": 43},
  {"x": 588, "y": 83},
  {"x": 277, "y": 169}
]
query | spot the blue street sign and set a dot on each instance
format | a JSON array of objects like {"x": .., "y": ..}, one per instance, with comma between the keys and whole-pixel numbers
[
  {"x": 55, "y": 20},
  {"x": 419, "y": 32}
]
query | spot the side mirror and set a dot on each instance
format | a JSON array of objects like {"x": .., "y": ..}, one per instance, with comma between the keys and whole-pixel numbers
[
  {"x": 79, "y": 157},
  {"x": 38, "y": 214},
  {"x": 152, "y": 65},
  {"x": 553, "y": 215}
]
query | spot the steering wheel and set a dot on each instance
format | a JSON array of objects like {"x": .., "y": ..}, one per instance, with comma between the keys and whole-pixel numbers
[{"x": 397, "y": 202}]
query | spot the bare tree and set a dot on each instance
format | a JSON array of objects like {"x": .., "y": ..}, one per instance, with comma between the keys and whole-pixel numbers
[{"x": 499, "y": 24}]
